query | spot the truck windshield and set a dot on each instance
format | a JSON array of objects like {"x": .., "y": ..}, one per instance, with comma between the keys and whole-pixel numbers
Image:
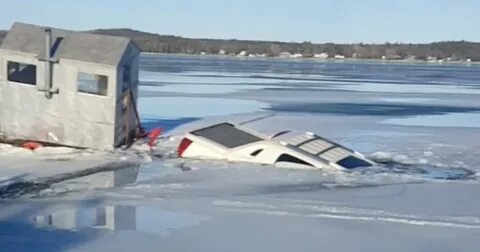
[{"x": 352, "y": 162}]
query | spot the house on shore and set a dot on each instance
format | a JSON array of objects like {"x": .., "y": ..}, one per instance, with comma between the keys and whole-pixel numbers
[
  {"x": 69, "y": 88},
  {"x": 242, "y": 54},
  {"x": 321, "y": 55},
  {"x": 285, "y": 55},
  {"x": 296, "y": 55}
]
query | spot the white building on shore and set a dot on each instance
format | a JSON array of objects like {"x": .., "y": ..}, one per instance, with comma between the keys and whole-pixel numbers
[
  {"x": 321, "y": 55},
  {"x": 242, "y": 54},
  {"x": 285, "y": 55}
]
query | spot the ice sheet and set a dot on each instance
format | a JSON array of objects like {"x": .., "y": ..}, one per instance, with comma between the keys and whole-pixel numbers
[
  {"x": 190, "y": 205},
  {"x": 471, "y": 120},
  {"x": 200, "y": 89},
  {"x": 177, "y": 107}
]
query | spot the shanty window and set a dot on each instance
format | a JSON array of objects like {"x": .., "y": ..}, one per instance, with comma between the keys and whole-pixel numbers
[
  {"x": 92, "y": 83},
  {"x": 22, "y": 73}
]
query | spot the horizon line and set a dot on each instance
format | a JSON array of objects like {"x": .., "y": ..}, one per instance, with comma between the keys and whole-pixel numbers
[{"x": 267, "y": 40}]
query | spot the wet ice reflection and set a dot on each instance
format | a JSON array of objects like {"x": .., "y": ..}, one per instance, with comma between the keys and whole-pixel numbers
[
  {"x": 105, "y": 179},
  {"x": 119, "y": 218}
]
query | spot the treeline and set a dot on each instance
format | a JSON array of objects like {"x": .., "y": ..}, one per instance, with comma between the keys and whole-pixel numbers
[
  {"x": 149, "y": 42},
  {"x": 450, "y": 50}
]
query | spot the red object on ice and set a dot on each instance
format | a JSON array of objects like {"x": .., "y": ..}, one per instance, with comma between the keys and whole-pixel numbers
[
  {"x": 184, "y": 144},
  {"x": 31, "y": 145},
  {"x": 153, "y": 135}
]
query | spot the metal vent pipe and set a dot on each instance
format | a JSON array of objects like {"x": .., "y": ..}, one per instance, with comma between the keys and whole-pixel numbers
[{"x": 48, "y": 63}]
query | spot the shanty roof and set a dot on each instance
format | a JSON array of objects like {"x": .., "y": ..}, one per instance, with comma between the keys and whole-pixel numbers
[{"x": 81, "y": 46}]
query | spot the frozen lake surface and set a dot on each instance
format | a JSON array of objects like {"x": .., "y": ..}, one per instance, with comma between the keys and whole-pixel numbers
[{"x": 420, "y": 121}]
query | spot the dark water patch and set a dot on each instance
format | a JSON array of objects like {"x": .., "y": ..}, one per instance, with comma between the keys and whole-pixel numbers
[
  {"x": 422, "y": 170},
  {"x": 372, "y": 109},
  {"x": 18, "y": 189},
  {"x": 289, "y": 88},
  {"x": 18, "y": 232},
  {"x": 340, "y": 79},
  {"x": 307, "y": 187},
  {"x": 293, "y": 188},
  {"x": 359, "y": 179},
  {"x": 362, "y": 71},
  {"x": 16, "y": 236}
]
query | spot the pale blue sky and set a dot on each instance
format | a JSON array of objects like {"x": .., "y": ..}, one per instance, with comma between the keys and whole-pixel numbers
[{"x": 294, "y": 20}]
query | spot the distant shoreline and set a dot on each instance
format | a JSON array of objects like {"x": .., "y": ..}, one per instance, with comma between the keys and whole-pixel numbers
[
  {"x": 443, "y": 52},
  {"x": 436, "y": 51},
  {"x": 386, "y": 61}
]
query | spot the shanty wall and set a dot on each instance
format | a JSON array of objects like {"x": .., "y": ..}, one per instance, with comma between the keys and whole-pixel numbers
[
  {"x": 70, "y": 117},
  {"x": 125, "y": 117}
]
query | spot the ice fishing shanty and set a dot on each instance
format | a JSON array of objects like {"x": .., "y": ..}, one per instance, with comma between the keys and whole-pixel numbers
[{"x": 70, "y": 88}]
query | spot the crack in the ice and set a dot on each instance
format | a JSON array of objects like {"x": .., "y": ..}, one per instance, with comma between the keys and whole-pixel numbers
[
  {"x": 21, "y": 188},
  {"x": 347, "y": 213}
]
